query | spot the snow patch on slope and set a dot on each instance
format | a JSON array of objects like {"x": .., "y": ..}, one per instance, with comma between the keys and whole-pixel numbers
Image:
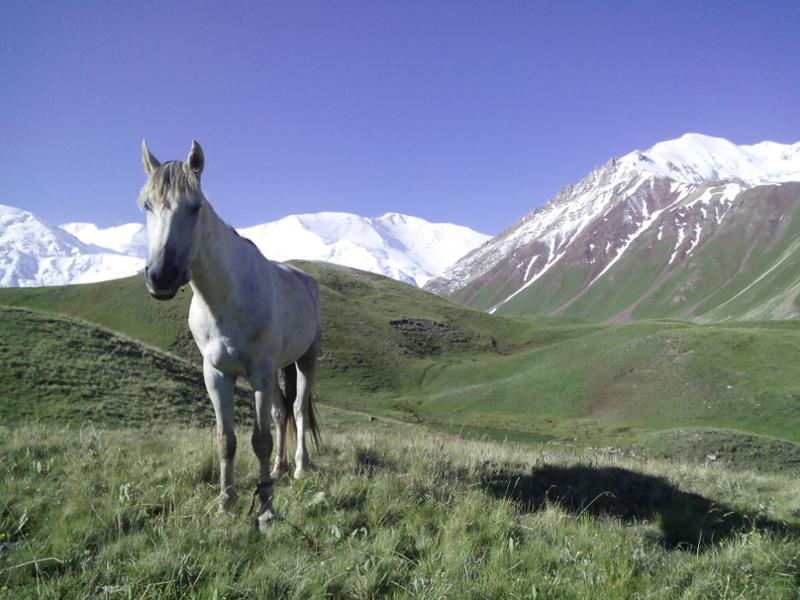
[
  {"x": 696, "y": 231},
  {"x": 678, "y": 242},
  {"x": 530, "y": 264}
]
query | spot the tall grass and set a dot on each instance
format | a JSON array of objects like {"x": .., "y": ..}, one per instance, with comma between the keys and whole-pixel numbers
[{"x": 390, "y": 510}]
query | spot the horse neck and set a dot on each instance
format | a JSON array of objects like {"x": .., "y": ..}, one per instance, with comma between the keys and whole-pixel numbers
[{"x": 214, "y": 265}]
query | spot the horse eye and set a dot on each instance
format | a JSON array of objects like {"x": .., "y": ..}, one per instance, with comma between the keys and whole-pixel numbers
[{"x": 194, "y": 209}]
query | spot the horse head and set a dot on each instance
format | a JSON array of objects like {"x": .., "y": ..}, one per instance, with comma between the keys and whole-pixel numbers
[{"x": 173, "y": 202}]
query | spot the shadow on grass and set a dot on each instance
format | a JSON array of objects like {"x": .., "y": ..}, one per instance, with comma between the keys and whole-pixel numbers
[{"x": 687, "y": 520}]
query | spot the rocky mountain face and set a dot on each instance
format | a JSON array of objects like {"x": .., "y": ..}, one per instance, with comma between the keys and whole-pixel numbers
[{"x": 693, "y": 228}]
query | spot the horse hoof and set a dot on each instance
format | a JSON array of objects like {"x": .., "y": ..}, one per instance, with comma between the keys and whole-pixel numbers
[
  {"x": 278, "y": 471},
  {"x": 264, "y": 520},
  {"x": 227, "y": 499},
  {"x": 301, "y": 470}
]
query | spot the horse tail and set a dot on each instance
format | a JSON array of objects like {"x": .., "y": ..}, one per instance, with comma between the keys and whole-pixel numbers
[
  {"x": 288, "y": 396},
  {"x": 313, "y": 426}
]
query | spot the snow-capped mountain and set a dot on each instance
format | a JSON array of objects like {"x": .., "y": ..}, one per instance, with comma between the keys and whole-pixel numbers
[
  {"x": 646, "y": 235},
  {"x": 403, "y": 247},
  {"x": 695, "y": 158},
  {"x": 406, "y": 248},
  {"x": 129, "y": 239},
  {"x": 34, "y": 253}
]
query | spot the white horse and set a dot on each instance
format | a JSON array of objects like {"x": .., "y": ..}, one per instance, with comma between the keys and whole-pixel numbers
[{"x": 250, "y": 318}]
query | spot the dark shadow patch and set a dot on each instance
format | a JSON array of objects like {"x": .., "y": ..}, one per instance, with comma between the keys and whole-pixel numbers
[
  {"x": 687, "y": 520},
  {"x": 423, "y": 337},
  {"x": 354, "y": 501},
  {"x": 368, "y": 462}
]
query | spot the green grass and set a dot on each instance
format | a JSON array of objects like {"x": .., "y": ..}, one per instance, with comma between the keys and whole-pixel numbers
[
  {"x": 624, "y": 285},
  {"x": 364, "y": 353},
  {"x": 642, "y": 377},
  {"x": 389, "y": 512},
  {"x": 122, "y": 305},
  {"x": 56, "y": 369},
  {"x": 654, "y": 459}
]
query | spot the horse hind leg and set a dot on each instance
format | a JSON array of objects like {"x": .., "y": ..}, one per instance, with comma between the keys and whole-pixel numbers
[
  {"x": 305, "y": 378},
  {"x": 280, "y": 409}
]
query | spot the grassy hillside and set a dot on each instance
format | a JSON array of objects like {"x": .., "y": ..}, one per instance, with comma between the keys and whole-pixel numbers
[
  {"x": 657, "y": 461},
  {"x": 120, "y": 304},
  {"x": 56, "y": 369},
  {"x": 390, "y": 512},
  {"x": 392, "y": 349},
  {"x": 650, "y": 375},
  {"x": 379, "y": 336}
]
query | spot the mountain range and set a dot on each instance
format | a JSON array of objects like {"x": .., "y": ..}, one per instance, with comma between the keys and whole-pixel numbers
[
  {"x": 692, "y": 228},
  {"x": 410, "y": 249},
  {"x": 35, "y": 253}
]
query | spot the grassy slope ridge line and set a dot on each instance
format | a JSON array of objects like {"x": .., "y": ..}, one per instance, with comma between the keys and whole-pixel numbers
[
  {"x": 60, "y": 370},
  {"x": 378, "y": 334},
  {"x": 122, "y": 305}
]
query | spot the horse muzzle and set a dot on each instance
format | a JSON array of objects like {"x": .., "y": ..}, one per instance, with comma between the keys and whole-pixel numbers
[{"x": 164, "y": 285}]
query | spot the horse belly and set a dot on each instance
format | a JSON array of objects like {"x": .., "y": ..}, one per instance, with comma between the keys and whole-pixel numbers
[{"x": 296, "y": 343}]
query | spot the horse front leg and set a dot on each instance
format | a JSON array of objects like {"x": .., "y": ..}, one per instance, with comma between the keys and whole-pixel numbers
[
  {"x": 220, "y": 389},
  {"x": 266, "y": 396}
]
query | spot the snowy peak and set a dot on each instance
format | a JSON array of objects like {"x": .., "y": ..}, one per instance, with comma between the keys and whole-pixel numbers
[
  {"x": 129, "y": 239},
  {"x": 694, "y": 158},
  {"x": 399, "y": 246},
  {"x": 33, "y": 253},
  {"x": 660, "y": 207},
  {"x": 23, "y": 232}
]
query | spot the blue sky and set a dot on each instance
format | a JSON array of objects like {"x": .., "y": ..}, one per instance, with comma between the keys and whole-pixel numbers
[{"x": 466, "y": 112}]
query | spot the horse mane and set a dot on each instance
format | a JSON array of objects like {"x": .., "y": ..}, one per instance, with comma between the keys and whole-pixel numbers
[{"x": 167, "y": 182}]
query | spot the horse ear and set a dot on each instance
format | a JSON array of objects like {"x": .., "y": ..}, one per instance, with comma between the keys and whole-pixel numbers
[
  {"x": 196, "y": 160},
  {"x": 150, "y": 162}
]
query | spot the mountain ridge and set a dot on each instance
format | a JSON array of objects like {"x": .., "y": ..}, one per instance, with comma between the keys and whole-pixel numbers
[{"x": 557, "y": 253}]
